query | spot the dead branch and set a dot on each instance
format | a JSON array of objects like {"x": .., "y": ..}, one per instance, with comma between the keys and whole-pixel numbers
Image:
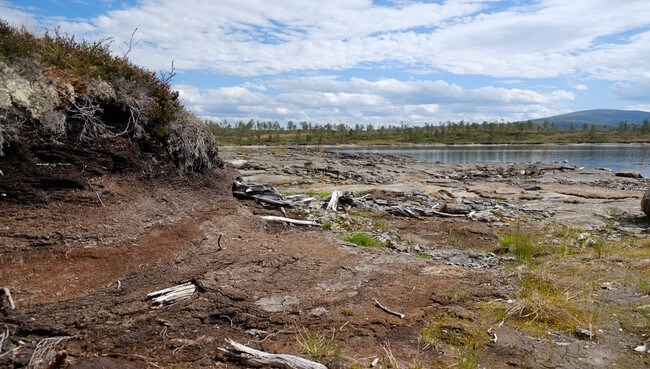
[
  {"x": 252, "y": 357},
  {"x": 130, "y": 45},
  {"x": 172, "y": 295},
  {"x": 384, "y": 308},
  {"x": 439, "y": 213},
  {"x": 272, "y": 218},
  {"x": 7, "y": 293}
]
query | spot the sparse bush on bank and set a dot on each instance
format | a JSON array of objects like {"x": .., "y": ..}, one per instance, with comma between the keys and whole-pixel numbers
[{"x": 76, "y": 91}]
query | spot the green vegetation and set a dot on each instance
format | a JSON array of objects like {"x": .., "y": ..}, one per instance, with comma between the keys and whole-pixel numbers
[
  {"x": 519, "y": 243},
  {"x": 317, "y": 345},
  {"x": 363, "y": 239},
  {"x": 306, "y": 133},
  {"x": 328, "y": 225}
]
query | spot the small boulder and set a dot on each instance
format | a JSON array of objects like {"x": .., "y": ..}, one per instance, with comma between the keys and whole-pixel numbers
[{"x": 645, "y": 203}]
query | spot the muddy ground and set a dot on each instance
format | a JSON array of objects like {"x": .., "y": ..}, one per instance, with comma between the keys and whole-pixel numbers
[{"x": 80, "y": 261}]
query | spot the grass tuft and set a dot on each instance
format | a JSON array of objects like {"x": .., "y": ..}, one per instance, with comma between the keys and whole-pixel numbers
[
  {"x": 317, "y": 345},
  {"x": 519, "y": 243},
  {"x": 363, "y": 239}
]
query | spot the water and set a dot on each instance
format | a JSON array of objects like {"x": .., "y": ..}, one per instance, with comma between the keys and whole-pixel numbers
[{"x": 623, "y": 157}]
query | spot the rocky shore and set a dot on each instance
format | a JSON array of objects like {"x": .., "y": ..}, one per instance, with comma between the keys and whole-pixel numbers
[{"x": 349, "y": 260}]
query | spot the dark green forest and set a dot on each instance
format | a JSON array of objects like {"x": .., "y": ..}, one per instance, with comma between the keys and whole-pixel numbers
[{"x": 258, "y": 132}]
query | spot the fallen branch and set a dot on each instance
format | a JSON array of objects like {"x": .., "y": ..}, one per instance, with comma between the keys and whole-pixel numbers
[
  {"x": 384, "y": 308},
  {"x": 7, "y": 293},
  {"x": 439, "y": 213},
  {"x": 253, "y": 357},
  {"x": 273, "y": 218},
  {"x": 172, "y": 295}
]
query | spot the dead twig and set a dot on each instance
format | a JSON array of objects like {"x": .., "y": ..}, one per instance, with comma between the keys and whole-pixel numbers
[
  {"x": 384, "y": 308},
  {"x": 7, "y": 293}
]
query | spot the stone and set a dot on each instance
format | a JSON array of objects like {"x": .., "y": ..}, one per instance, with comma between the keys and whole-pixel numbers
[
  {"x": 645, "y": 203},
  {"x": 629, "y": 174}
]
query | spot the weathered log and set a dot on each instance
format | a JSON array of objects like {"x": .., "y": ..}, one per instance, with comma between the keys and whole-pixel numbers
[
  {"x": 172, "y": 295},
  {"x": 402, "y": 211},
  {"x": 273, "y": 218},
  {"x": 645, "y": 203},
  {"x": 261, "y": 193},
  {"x": 334, "y": 200},
  {"x": 252, "y": 357}
]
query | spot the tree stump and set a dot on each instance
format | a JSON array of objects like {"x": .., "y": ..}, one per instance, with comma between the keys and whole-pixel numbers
[{"x": 645, "y": 203}]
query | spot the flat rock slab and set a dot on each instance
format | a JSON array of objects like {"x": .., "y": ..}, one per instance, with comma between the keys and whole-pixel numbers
[{"x": 591, "y": 192}]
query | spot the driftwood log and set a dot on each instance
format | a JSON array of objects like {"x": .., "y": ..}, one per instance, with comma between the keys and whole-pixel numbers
[
  {"x": 252, "y": 357},
  {"x": 260, "y": 193},
  {"x": 333, "y": 204},
  {"x": 172, "y": 295},
  {"x": 273, "y": 218}
]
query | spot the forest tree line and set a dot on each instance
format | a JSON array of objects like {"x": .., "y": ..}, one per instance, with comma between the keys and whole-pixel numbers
[{"x": 256, "y": 132}]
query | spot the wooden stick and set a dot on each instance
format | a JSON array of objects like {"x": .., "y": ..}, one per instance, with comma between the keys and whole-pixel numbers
[
  {"x": 273, "y": 218},
  {"x": 448, "y": 215},
  {"x": 254, "y": 357},
  {"x": 7, "y": 293},
  {"x": 384, "y": 308}
]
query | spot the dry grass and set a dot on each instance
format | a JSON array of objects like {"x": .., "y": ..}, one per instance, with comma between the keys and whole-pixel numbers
[{"x": 78, "y": 90}]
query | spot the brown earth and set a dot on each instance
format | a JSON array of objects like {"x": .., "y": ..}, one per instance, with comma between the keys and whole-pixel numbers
[{"x": 80, "y": 249}]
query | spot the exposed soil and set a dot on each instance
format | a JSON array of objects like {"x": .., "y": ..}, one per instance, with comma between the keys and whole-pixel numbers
[{"x": 85, "y": 237}]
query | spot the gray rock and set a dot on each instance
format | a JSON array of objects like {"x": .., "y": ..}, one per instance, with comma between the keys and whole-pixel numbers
[
  {"x": 457, "y": 209},
  {"x": 629, "y": 174},
  {"x": 645, "y": 203}
]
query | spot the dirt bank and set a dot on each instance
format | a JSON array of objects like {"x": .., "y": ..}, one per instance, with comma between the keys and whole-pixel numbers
[{"x": 80, "y": 263}]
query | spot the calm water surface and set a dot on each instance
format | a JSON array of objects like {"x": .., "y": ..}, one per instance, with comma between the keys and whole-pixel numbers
[{"x": 631, "y": 157}]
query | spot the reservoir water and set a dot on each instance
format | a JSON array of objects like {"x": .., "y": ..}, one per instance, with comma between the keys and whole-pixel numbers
[{"x": 623, "y": 157}]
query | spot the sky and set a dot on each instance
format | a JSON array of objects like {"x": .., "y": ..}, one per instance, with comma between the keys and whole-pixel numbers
[{"x": 379, "y": 62}]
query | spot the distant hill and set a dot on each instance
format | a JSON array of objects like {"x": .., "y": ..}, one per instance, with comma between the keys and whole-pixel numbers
[{"x": 605, "y": 118}]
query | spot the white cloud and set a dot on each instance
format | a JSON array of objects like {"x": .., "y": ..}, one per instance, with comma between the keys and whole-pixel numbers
[
  {"x": 580, "y": 87},
  {"x": 323, "y": 99},
  {"x": 635, "y": 91},
  {"x": 17, "y": 16},
  {"x": 288, "y": 45},
  {"x": 247, "y": 38}
]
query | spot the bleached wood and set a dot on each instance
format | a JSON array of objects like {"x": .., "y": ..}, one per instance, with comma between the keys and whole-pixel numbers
[
  {"x": 273, "y": 218},
  {"x": 7, "y": 293},
  {"x": 334, "y": 200},
  {"x": 172, "y": 295},
  {"x": 253, "y": 357},
  {"x": 384, "y": 308}
]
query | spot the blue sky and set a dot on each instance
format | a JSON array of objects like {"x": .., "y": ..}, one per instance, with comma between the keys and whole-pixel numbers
[{"x": 380, "y": 62}]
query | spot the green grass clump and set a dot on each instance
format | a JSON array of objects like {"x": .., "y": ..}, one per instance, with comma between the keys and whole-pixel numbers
[
  {"x": 363, "y": 239},
  {"x": 519, "y": 243},
  {"x": 317, "y": 345},
  {"x": 328, "y": 225}
]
